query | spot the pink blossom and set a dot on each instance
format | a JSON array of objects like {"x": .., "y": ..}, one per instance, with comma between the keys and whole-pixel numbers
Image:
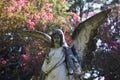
[
  {"x": 37, "y": 17},
  {"x": 63, "y": 2},
  {"x": 40, "y": 54},
  {"x": 31, "y": 25},
  {"x": 48, "y": 5},
  {"x": 47, "y": 8},
  {"x": 31, "y": 16},
  {"x": 85, "y": 15},
  {"x": 4, "y": 62},
  {"x": 10, "y": 8},
  {"x": 25, "y": 56},
  {"x": 47, "y": 15},
  {"x": 92, "y": 13},
  {"x": 108, "y": 7},
  {"x": 118, "y": 6},
  {"x": 75, "y": 16},
  {"x": 46, "y": 12},
  {"x": 19, "y": 3},
  {"x": 50, "y": 16},
  {"x": 14, "y": 2}
]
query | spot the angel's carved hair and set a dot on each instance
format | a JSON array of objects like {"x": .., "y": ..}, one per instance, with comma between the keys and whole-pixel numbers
[{"x": 60, "y": 33}]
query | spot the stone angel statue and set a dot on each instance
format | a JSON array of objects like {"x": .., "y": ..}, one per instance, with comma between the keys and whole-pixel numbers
[{"x": 63, "y": 62}]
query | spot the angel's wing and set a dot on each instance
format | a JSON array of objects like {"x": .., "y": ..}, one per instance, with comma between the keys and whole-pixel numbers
[
  {"x": 86, "y": 31},
  {"x": 43, "y": 37}
]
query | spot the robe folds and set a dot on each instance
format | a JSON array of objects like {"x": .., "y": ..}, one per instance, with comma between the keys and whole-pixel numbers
[{"x": 54, "y": 66}]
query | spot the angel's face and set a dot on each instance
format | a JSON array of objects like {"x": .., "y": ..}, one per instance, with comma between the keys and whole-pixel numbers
[{"x": 56, "y": 39}]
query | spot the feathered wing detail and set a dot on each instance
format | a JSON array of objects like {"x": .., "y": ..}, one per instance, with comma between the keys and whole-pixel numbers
[
  {"x": 86, "y": 31},
  {"x": 43, "y": 37}
]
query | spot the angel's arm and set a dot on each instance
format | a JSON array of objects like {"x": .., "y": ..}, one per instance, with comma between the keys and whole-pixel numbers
[{"x": 70, "y": 54}]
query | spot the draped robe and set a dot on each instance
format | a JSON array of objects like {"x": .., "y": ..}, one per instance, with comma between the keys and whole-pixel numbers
[{"x": 54, "y": 66}]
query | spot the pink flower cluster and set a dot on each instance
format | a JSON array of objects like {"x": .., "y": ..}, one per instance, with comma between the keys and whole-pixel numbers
[
  {"x": 40, "y": 54},
  {"x": 16, "y": 5},
  {"x": 18, "y": 9},
  {"x": 5, "y": 61},
  {"x": 92, "y": 13},
  {"x": 32, "y": 20},
  {"x": 47, "y": 12},
  {"x": 74, "y": 21},
  {"x": 19, "y": 3},
  {"x": 31, "y": 25},
  {"x": 118, "y": 6},
  {"x": 74, "y": 15},
  {"x": 36, "y": 17},
  {"x": 24, "y": 58}
]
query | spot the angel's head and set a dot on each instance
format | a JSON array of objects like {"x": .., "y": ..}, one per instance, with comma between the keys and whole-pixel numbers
[{"x": 57, "y": 38}]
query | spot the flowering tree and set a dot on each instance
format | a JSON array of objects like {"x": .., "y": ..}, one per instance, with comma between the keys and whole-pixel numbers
[{"x": 18, "y": 55}]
